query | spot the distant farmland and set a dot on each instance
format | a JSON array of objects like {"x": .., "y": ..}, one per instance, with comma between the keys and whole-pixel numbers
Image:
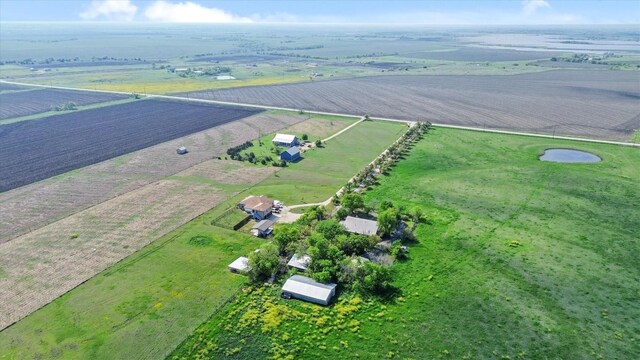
[
  {"x": 482, "y": 54},
  {"x": 37, "y": 101},
  {"x": 5, "y": 87},
  {"x": 38, "y": 149},
  {"x": 599, "y": 104}
]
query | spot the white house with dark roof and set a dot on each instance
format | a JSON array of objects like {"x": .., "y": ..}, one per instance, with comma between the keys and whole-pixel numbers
[
  {"x": 360, "y": 226},
  {"x": 285, "y": 140}
]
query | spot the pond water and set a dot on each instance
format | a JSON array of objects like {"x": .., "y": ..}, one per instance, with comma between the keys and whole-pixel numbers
[{"x": 569, "y": 156}]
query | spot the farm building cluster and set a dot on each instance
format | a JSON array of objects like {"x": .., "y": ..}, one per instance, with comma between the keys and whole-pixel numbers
[
  {"x": 292, "y": 143},
  {"x": 298, "y": 286}
]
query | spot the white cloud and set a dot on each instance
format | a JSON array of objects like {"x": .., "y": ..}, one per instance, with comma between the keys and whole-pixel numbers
[
  {"x": 118, "y": 10},
  {"x": 189, "y": 12},
  {"x": 529, "y": 7}
]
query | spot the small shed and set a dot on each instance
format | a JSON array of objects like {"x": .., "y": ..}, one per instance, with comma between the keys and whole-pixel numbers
[
  {"x": 360, "y": 226},
  {"x": 182, "y": 150},
  {"x": 291, "y": 154},
  {"x": 263, "y": 228},
  {"x": 285, "y": 140},
  {"x": 299, "y": 262},
  {"x": 239, "y": 265},
  {"x": 307, "y": 289}
]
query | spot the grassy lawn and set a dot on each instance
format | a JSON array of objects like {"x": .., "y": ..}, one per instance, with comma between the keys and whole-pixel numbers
[
  {"x": 141, "y": 307},
  {"x": 521, "y": 259},
  {"x": 321, "y": 172},
  {"x": 316, "y": 127}
]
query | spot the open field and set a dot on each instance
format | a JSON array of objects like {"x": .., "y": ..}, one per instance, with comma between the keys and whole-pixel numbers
[
  {"x": 140, "y": 308},
  {"x": 42, "y": 265},
  {"x": 145, "y": 303},
  {"x": 32, "y": 102},
  {"x": 11, "y": 87},
  {"x": 321, "y": 172},
  {"x": 482, "y": 54},
  {"x": 567, "y": 286},
  {"x": 63, "y": 143},
  {"x": 597, "y": 104},
  {"x": 35, "y": 205}
]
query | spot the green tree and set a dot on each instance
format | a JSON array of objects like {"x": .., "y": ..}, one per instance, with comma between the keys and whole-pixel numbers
[
  {"x": 326, "y": 258},
  {"x": 353, "y": 244},
  {"x": 318, "y": 143},
  {"x": 284, "y": 236},
  {"x": 342, "y": 213},
  {"x": 305, "y": 137},
  {"x": 352, "y": 202},
  {"x": 384, "y": 205},
  {"x": 375, "y": 279},
  {"x": 263, "y": 263},
  {"x": 416, "y": 214},
  {"x": 330, "y": 229},
  {"x": 387, "y": 221}
]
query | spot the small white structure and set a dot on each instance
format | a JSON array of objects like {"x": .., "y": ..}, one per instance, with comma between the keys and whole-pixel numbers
[
  {"x": 285, "y": 140},
  {"x": 182, "y": 150},
  {"x": 360, "y": 226},
  {"x": 240, "y": 265},
  {"x": 307, "y": 289},
  {"x": 225, "y": 77},
  {"x": 299, "y": 262}
]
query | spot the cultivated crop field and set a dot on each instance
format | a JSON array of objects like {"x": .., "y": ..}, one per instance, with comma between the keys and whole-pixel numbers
[
  {"x": 66, "y": 142},
  {"x": 35, "y": 205},
  {"x": 42, "y": 100},
  {"x": 482, "y": 54},
  {"x": 10, "y": 87},
  {"x": 597, "y": 104},
  {"x": 44, "y": 264},
  {"x": 519, "y": 259}
]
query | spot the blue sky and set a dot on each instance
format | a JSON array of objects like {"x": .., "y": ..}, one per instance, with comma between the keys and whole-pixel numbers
[{"x": 506, "y": 12}]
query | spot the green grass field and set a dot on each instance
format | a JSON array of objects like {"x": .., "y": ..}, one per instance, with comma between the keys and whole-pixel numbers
[
  {"x": 321, "y": 172},
  {"x": 141, "y": 307},
  {"x": 520, "y": 259},
  {"x": 146, "y": 305}
]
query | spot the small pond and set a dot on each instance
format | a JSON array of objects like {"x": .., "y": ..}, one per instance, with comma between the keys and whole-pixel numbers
[{"x": 569, "y": 156}]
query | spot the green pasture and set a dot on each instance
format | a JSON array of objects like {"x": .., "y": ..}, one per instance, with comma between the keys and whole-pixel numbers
[{"x": 519, "y": 259}]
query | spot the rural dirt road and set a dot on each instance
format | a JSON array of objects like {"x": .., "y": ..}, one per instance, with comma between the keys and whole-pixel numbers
[{"x": 471, "y": 128}]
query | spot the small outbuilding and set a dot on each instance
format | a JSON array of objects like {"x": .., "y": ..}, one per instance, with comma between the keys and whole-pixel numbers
[
  {"x": 360, "y": 226},
  {"x": 307, "y": 289},
  {"x": 299, "y": 262},
  {"x": 285, "y": 140},
  {"x": 240, "y": 265},
  {"x": 181, "y": 150},
  {"x": 263, "y": 228},
  {"x": 291, "y": 154}
]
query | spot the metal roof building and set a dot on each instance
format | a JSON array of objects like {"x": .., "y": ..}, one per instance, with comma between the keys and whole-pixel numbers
[
  {"x": 299, "y": 262},
  {"x": 360, "y": 226},
  {"x": 240, "y": 265},
  {"x": 307, "y": 289},
  {"x": 285, "y": 140}
]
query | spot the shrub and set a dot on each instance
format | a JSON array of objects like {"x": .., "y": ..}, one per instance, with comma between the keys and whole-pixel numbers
[
  {"x": 342, "y": 213},
  {"x": 305, "y": 137}
]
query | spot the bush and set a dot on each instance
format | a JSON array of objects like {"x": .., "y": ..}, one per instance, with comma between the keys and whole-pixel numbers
[
  {"x": 264, "y": 263},
  {"x": 342, "y": 213},
  {"x": 305, "y": 137},
  {"x": 318, "y": 143}
]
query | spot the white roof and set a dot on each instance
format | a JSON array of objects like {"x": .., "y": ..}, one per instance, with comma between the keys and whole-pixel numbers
[
  {"x": 310, "y": 288},
  {"x": 360, "y": 226},
  {"x": 299, "y": 262},
  {"x": 284, "y": 138},
  {"x": 240, "y": 264}
]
